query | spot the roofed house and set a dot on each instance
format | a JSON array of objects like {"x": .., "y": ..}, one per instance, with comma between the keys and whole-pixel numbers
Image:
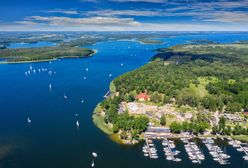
[
  {"x": 143, "y": 97},
  {"x": 246, "y": 111}
]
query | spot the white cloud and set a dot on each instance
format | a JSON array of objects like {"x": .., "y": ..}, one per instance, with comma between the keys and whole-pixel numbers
[
  {"x": 110, "y": 12},
  {"x": 228, "y": 17},
  {"x": 88, "y": 1},
  {"x": 142, "y": 27},
  {"x": 148, "y": 1},
  {"x": 26, "y": 22},
  {"x": 68, "y": 21},
  {"x": 69, "y": 12}
]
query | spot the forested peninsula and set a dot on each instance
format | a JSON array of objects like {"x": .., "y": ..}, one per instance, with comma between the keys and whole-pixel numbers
[
  {"x": 188, "y": 88},
  {"x": 43, "y": 53}
]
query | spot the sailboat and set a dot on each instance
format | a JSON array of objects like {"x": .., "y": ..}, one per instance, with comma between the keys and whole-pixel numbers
[
  {"x": 122, "y": 64},
  {"x": 110, "y": 75},
  {"x": 87, "y": 69},
  {"x": 82, "y": 101},
  {"x": 50, "y": 86},
  {"x": 94, "y": 154},
  {"x": 77, "y": 123},
  {"x": 84, "y": 78},
  {"x": 65, "y": 96},
  {"x": 92, "y": 164},
  {"x": 29, "y": 121}
]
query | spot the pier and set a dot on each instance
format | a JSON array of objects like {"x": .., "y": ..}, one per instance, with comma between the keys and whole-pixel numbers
[
  {"x": 214, "y": 150},
  {"x": 149, "y": 149},
  {"x": 168, "y": 146},
  {"x": 238, "y": 145},
  {"x": 194, "y": 152},
  {"x": 107, "y": 94}
]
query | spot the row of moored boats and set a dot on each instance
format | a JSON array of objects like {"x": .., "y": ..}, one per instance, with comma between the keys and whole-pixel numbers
[{"x": 195, "y": 154}]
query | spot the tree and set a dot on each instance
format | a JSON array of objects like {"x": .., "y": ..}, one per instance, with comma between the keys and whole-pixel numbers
[
  {"x": 222, "y": 124},
  {"x": 156, "y": 97},
  {"x": 233, "y": 107},
  {"x": 175, "y": 127},
  {"x": 163, "y": 120},
  {"x": 215, "y": 129}
]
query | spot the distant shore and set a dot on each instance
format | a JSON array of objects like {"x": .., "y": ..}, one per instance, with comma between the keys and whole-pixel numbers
[{"x": 47, "y": 60}]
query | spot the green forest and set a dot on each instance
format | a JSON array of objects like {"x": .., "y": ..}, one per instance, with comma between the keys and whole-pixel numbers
[{"x": 213, "y": 76}]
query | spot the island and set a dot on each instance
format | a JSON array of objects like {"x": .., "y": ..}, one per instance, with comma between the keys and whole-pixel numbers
[
  {"x": 150, "y": 41},
  {"x": 42, "y": 53},
  {"x": 186, "y": 90}
]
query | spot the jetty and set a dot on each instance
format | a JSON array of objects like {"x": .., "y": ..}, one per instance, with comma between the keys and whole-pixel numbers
[
  {"x": 149, "y": 149},
  {"x": 193, "y": 151},
  {"x": 107, "y": 94},
  {"x": 216, "y": 152},
  {"x": 169, "y": 149},
  {"x": 241, "y": 147}
]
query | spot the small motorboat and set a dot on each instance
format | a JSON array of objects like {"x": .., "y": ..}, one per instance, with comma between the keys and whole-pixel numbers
[
  {"x": 94, "y": 154},
  {"x": 29, "y": 121},
  {"x": 77, "y": 123}
]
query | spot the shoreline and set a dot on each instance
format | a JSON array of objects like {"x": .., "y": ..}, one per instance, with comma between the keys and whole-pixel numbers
[{"x": 47, "y": 60}]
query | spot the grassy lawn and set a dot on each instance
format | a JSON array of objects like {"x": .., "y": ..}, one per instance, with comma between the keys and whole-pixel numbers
[
  {"x": 243, "y": 138},
  {"x": 200, "y": 89},
  {"x": 112, "y": 87},
  {"x": 98, "y": 120}
]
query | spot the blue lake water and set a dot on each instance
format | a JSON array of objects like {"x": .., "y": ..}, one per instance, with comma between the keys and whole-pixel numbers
[
  {"x": 32, "y": 45},
  {"x": 52, "y": 140}
]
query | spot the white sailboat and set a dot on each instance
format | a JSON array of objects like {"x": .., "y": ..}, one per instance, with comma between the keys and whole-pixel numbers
[
  {"x": 29, "y": 121},
  {"x": 65, "y": 96},
  {"x": 50, "y": 86},
  {"x": 110, "y": 75},
  {"x": 77, "y": 123},
  {"x": 122, "y": 64},
  {"x": 86, "y": 69},
  {"x": 84, "y": 78},
  {"x": 94, "y": 154},
  {"x": 82, "y": 101},
  {"x": 92, "y": 164}
]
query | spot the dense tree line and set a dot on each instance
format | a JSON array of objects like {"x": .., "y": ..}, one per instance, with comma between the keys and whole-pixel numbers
[
  {"x": 194, "y": 127},
  {"x": 123, "y": 122},
  {"x": 42, "y": 53},
  {"x": 224, "y": 129},
  {"x": 173, "y": 70}
]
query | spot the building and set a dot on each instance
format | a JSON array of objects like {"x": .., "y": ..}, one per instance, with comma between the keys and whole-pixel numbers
[{"x": 143, "y": 97}]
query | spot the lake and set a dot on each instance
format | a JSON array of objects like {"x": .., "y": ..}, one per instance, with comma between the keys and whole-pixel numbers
[{"x": 52, "y": 140}]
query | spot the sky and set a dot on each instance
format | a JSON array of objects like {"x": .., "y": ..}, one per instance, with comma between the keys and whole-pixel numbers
[{"x": 123, "y": 15}]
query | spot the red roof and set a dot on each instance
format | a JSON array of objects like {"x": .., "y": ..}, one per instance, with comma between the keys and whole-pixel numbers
[
  {"x": 143, "y": 96},
  {"x": 246, "y": 113}
]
